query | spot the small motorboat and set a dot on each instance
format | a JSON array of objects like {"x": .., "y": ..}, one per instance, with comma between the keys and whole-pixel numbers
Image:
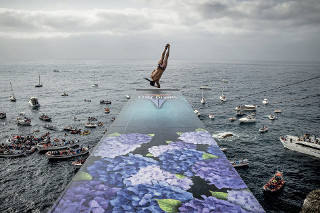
[
  {"x": 78, "y": 163},
  {"x": 87, "y": 100},
  {"x": 67, "y": 153},
  {"x": 232, "y": 119},
  {"x": 240, "y": 163},
  {"x": 263, "y": 129},
  {"x": 55, "y": 145},
  {"x": 3, "y": 115},
  {"x": 211, "y": 116},
  {"x": 246, "y": 107},
  {"x": 128, "y": 96},
  {"x": 90, "y": 125},
  {"x": 85, "y": 132},
  {"x": 105, "y": 102},
  {"x": 240, "y": 113},
  {"x": 277, "y": 111},
  {"x": 64, "y": 94},
  {"x": 92, "y": 119},
  {"x": 223, "y": 149},
  {"x": 106, "y": 110},
  {"x": 94, "y": 85},
  {"x": 197, "y": 112},
  {"x": 75, "y": 131},
  {"x": 203, "y": 100},
  {"x": 23, "y": 120},
  {"x": 265, "y": 101},
  {"x": 100, "y": 124},
  {"x": 275, "y": 183},
  {"x": 45, "y": 118},
  {"x": 223, "y": 98},
  {"x": 50, "y": 127},
  {"x": 272, "y": 117},
  {"x": 67, "y": 128},
  {"x": 248, "y": 119},
  {"x": 34, "y": 103},
  {"x": 225, "y": 81}
]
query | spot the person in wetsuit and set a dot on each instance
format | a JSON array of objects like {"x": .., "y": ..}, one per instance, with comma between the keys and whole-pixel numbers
[{"x": 162, "y": 64}]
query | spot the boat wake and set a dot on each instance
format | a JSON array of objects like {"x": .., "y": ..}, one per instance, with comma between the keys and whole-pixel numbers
[{"x": 224, "y": 135}]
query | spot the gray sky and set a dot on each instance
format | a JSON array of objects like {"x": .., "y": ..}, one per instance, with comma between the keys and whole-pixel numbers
[{"x": 139, "y": 29}]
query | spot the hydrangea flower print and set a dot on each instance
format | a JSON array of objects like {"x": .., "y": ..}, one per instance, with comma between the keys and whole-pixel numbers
[
  {"x": 219, "y": 172},
  {"x": 111, "y": 147},
  {"x": 87, "y": 196},
  {"x": 156, "y": 151},
  {"x": 180, "y": 161},
  {"x": 154, "y": 175},
  {"x": 210, "y": 204},
  {"x": 199, "y": 137},
  {"x": 143, "y": 198},
  {"x": 215, "y": 150},
  {"x": 245, "y": 199},
  {"x": 115, "y": 170}
]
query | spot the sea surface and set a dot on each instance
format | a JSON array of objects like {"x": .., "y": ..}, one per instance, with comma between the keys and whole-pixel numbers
[{"x": 33, "y": 184}]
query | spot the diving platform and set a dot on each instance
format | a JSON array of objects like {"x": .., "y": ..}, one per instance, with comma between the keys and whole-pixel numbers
[{"x": 157, "y": 157}]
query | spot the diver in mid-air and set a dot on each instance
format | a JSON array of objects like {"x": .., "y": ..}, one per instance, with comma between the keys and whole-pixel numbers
[{"x": 162, "y": 64}]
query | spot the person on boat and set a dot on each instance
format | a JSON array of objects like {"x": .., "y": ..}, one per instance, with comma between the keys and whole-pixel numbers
[{"x": 161, "y": 67}]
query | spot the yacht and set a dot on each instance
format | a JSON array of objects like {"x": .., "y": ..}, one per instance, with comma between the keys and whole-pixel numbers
[
  {"x": 265, "y": 101},
  {"x": 12, "y": 97},
  {"x": 248, "y": 119},
  {"x": 39, "y": 84},
  {"x": 34, "y": 103},
  {"x": 272, "y": 117},
  {"x": 23, "y": 120},
  {"x": 307, "y": 144},
  {"x": 240, "y": 163},
  {"x": 246, "y": 107}
]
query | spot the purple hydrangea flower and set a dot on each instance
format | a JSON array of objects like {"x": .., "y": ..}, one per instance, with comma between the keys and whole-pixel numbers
[
  {"x": 219, "y": 172},
  {"x": 156, "y": 151},
  {"x": 115, "y": 170},
  {"x": 110, "y": 147},
  {"x": 210, "y": 204},
  {"x": 215, "y": 150},
  {"x": 154, "y": 175},
  {"x": 180, "y": 161},
  {"x": 199, "y": 137},
  {"x": 87, "y": 196},
  {"x": 245, "y": 199},
  {"x": 143, "y": 198}
]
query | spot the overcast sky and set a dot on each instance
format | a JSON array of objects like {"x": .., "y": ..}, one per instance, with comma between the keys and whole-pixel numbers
[{"x": 139, "y": 29}]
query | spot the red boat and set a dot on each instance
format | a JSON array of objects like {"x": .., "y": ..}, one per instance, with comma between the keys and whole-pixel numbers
[{"x": 275, "y": 183}]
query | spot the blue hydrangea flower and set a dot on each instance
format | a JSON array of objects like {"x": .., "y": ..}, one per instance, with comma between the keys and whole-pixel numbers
[
  {"x": 219, "y": 172},
  {"x": 210, "y": 204},
  {"x": 115, "y": 170},
  {"x": 180, "y": 161},
  {"x": 111, "y": 147},
  {"x": 245, "y": 199},
  {"x": 215, "y": 150},
  {"x": 143, "y": 198},
  {"x": 199, "y": 137},
  {"x": 156, "y": 151},
  {"x": 87, "y": 196},
  {"x": 154, "y": 175}
]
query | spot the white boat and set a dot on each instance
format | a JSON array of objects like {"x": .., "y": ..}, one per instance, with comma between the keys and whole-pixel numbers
[
  {"x": 272, "y": 117},
  {"x": 203, "y": 100},
  {"x": 197, "y": 112},
  {"x": 246, "y": 107},
  {"x": 277, "y": 111},
  {"x": 55, "y": 146},
  {"x": 3, "y": 115},
  {"x": 94, "y": 85},
  {"x": 64, "y": 94},
  {"x": 225, "y": 81},
  {"x": 232, "y": 119},
  {"x": 66, "y": 154},
  {"x": 23, "y": 120},
  {"x": 34, "y": 103},
  {"x": 39, "y": 84},
  {"x": 90, "y": 125},
  {"x": 105, "y": 102},
  {"x": 45, "y": 118},
  {"x": 240, "y": 163},
  {"x": 211, "y": 116},
  {"x": 248, "y": 119},
  {"x": 263, "y": 129},
  {"x": 50, "y": 127},
  {"x": 265, "y": 101},
  {"x": 12, "y": 97},
  {"x": 308, "y": 144},
  {"x": 128, "y": 96},
  {"x": 222, "y": 96}
]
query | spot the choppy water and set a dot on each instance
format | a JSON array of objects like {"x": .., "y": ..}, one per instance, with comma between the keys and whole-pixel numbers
[{"x": 32, "y": 184}]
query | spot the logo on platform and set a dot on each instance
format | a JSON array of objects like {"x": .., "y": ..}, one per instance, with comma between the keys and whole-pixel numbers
[{"x": 158, "y": 99}]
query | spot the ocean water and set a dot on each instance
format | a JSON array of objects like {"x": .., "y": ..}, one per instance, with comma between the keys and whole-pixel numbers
[{"x": 33, "y": 184}]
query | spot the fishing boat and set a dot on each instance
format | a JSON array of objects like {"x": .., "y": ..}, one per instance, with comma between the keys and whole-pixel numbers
[
  {"x": 90, "y": 125},
  {"x": 39, "y": 84},
  {"x": 67, "y": 128},
  {"x": 265, "y": 101},
  {"x": 263, "y": 129},
  {"x": 275, "y": 183},
  {"x": 85, "y": 132},
  {"x": 45, "y": 118},
  {"x": 8, "y": 151},
  {"x": 277, "y": 111},
  {"x": 211, "y": 116},
  {"x": 23, "y": 120},
  {"x": 248, "y": 119},
  {"x": 105, "y": 102},
  {"x": 67, "y": 153},
  {"x": 240, "y": 163},
  {"x": 3, "y": 115},
  {"x": 306, "y": 144},
  {"x": 12, "y": 97},
  {"x": 34, "y": 103},
  {"x": 64, "y": 94},
  {"x": 232, "y": 119},
  {"x": 78, "y": 163},
  {"x": 246, "y": 107},
  {"x": 56, "y": 145},
  {"x": 12, "y": 153},
  {"x": 106, "y": 110},
  {"x": 50, "y": 127},
  {"x": 272, "y": 117}
]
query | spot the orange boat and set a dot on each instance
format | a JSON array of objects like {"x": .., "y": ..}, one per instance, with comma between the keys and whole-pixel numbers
[{"x": 275, "y": 183}]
